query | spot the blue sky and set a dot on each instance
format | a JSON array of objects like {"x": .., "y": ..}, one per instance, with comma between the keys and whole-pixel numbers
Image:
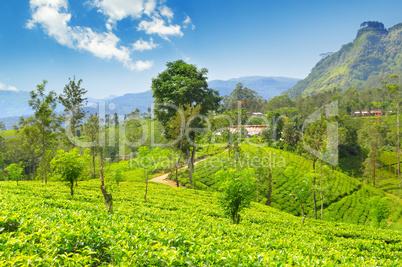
[{"x": 118, "y": 46}]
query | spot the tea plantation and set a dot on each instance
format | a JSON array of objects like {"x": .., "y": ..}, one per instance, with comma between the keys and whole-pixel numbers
[
  {"x": 41, "y": 225},
  {"x": 346, "y": 199}
]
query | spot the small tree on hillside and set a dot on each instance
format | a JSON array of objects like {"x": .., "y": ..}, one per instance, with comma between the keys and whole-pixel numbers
[
  {"x": 70, "y": 165},
  {"x": 91, "y": 130},
  {"x": 301, "y": 192},
  {"x": 237, "y": 192},
  {"x": 16, "y": 172}
]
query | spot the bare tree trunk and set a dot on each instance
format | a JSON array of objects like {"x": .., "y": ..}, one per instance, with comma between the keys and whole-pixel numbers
[
  {"x": 193, "y": 158},
  {"x": 389, "y": 175},
  {"x": 93, "y": 162},
  {"x": 146, "y": 187},
  {"x": 314, "y": 197},
  {"x": 397, "y": 132},
  {"x": 322, "y": 207},
  {"x": 72, "y": 188},
  {"x": 106, "y": 196},
  {"x": 190, "y": 174}
]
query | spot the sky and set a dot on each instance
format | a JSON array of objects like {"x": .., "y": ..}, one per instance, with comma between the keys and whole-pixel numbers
[{"x": 118, "y": 46}]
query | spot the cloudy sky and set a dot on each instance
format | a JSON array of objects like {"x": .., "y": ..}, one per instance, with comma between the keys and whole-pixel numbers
[{"x": 117, "y": 46}]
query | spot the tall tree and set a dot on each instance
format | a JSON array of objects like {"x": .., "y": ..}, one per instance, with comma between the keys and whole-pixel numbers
[
  {"x": 91, "y": 130},
  {"x": 395, "y": 90},
  {"x": 315, "y": 138},
  {"x": 29, "y": 135},
  {"x": 46, "y": 122},
  {"x": 249, "y": 99},
  {"x": 73, "y": 101},
  {"x": 178, "y": 130},
  {"x": 2, "y": 126},
  {"x": 183, "y": 84}
]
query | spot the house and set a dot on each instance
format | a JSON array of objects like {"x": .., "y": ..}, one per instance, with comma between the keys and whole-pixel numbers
[
  {"x": 365, "y": 113},
  {"x": 376, "y": 112},
  {"x": 251, "y": 129},
  {"x": 257, "y": 114}
]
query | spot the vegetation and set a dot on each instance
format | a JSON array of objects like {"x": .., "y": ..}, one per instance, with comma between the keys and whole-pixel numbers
[
  {"x": 364, "y": 63},
  {"x": 246, "y": 189},
  {"x": 178, "y": 227}
]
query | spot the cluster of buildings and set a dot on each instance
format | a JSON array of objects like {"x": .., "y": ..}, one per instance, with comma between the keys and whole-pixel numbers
[{"x": 365, "y": 113}]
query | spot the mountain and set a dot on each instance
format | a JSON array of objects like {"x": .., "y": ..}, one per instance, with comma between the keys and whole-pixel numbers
[
  {"x": 267, "y": 87},
  {"x": 15, "y": 104},
  {"x": 375, "y": 54}
]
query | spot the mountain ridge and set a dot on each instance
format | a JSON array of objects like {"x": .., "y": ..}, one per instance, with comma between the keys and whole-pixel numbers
[
  {"x": 15, "y": 104},
  {"x": 363, "y": 63}
]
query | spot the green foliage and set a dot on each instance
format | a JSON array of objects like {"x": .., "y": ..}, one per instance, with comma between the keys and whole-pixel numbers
[
  {"x": 245, "y": 97},
  {"x": 73, "y": 101},
  {"x": 237, "y": 191},
  {"x": 42, "y": 226},
  {"x": 353, "y": 65},
  {"x": 181, "y": 84},
  {"x": 379, "y": 211},
  {"x": 70, "y": 165},
  {"x": 16, "y": 172}
]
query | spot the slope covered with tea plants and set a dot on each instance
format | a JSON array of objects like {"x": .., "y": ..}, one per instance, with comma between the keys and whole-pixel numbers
[
  {"x": 344, "y": 198},
  {"x": 42, "y": 225}
]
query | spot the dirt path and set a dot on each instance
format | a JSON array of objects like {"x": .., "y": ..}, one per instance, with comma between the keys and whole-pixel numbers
[{"x": 164, "y": 177}]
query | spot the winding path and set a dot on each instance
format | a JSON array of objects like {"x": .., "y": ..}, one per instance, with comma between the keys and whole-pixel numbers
[{"x": 163, "y": 179}]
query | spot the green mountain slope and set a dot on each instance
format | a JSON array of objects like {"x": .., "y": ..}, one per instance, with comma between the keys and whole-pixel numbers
[
  {"x": 363, "y": 63},
  {"x": 42, "y": 225},
  {"x": 349, "y": 199}
]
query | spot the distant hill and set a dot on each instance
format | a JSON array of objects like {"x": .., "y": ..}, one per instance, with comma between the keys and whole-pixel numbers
[
  {"x": 364, "y": 63},
  {"x": 15, "y": 104},
  {"x": 267, "y": 87}
]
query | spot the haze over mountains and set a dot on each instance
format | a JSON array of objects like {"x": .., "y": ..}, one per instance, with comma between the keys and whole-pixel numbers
[
  {"x": 15, "y": 104},
  {"x": 375, "y": 54}
]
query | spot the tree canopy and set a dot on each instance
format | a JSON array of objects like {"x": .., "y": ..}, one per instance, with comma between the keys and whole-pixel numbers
[{"x": 182, "y": 84}]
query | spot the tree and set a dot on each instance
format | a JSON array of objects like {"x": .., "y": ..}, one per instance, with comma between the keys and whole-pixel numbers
[
  {"x": 183, "y": 84},
  {"x": 91, "y": 130},
  {"x": 146, "y": 160},
  {"x": 315, "y": 139},
  {"x": 302, "y": 191},
  {"x": 395, "y": 91},
  {"x": 374, "y": 135},
  {"x": 115, "y": 171},
  {"x": 379, "y": 210},
  {"x": 73, "y": 101},
  {"x": 45, "y": 121},
  {"x": 249, "y": 99},
  {"x": 70, "y": 165},
  {"x": 2, "y": 126},
  {"x": 179, "y": 130},
  {"x": 237, "y": 191},
  {"x": 16, "y": 171},
  {"x": 29, "y": 134}
]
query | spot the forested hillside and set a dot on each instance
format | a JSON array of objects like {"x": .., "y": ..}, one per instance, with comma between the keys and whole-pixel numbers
[{"x": 375, "y": 54}]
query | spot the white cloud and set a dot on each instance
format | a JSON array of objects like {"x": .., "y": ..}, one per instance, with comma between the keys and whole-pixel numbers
[
  {"x": 149, "y": 7},
  {"x": 187, "y": 22},
  {"x": 166, "y": 12},
  {"x": 53, "y": 17},
  {"x": 158, "y": 26},
  {"x": 117, "y": 10},
  {"x": 4, "y": 87},
  {"x": 142, "y": 45}
]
